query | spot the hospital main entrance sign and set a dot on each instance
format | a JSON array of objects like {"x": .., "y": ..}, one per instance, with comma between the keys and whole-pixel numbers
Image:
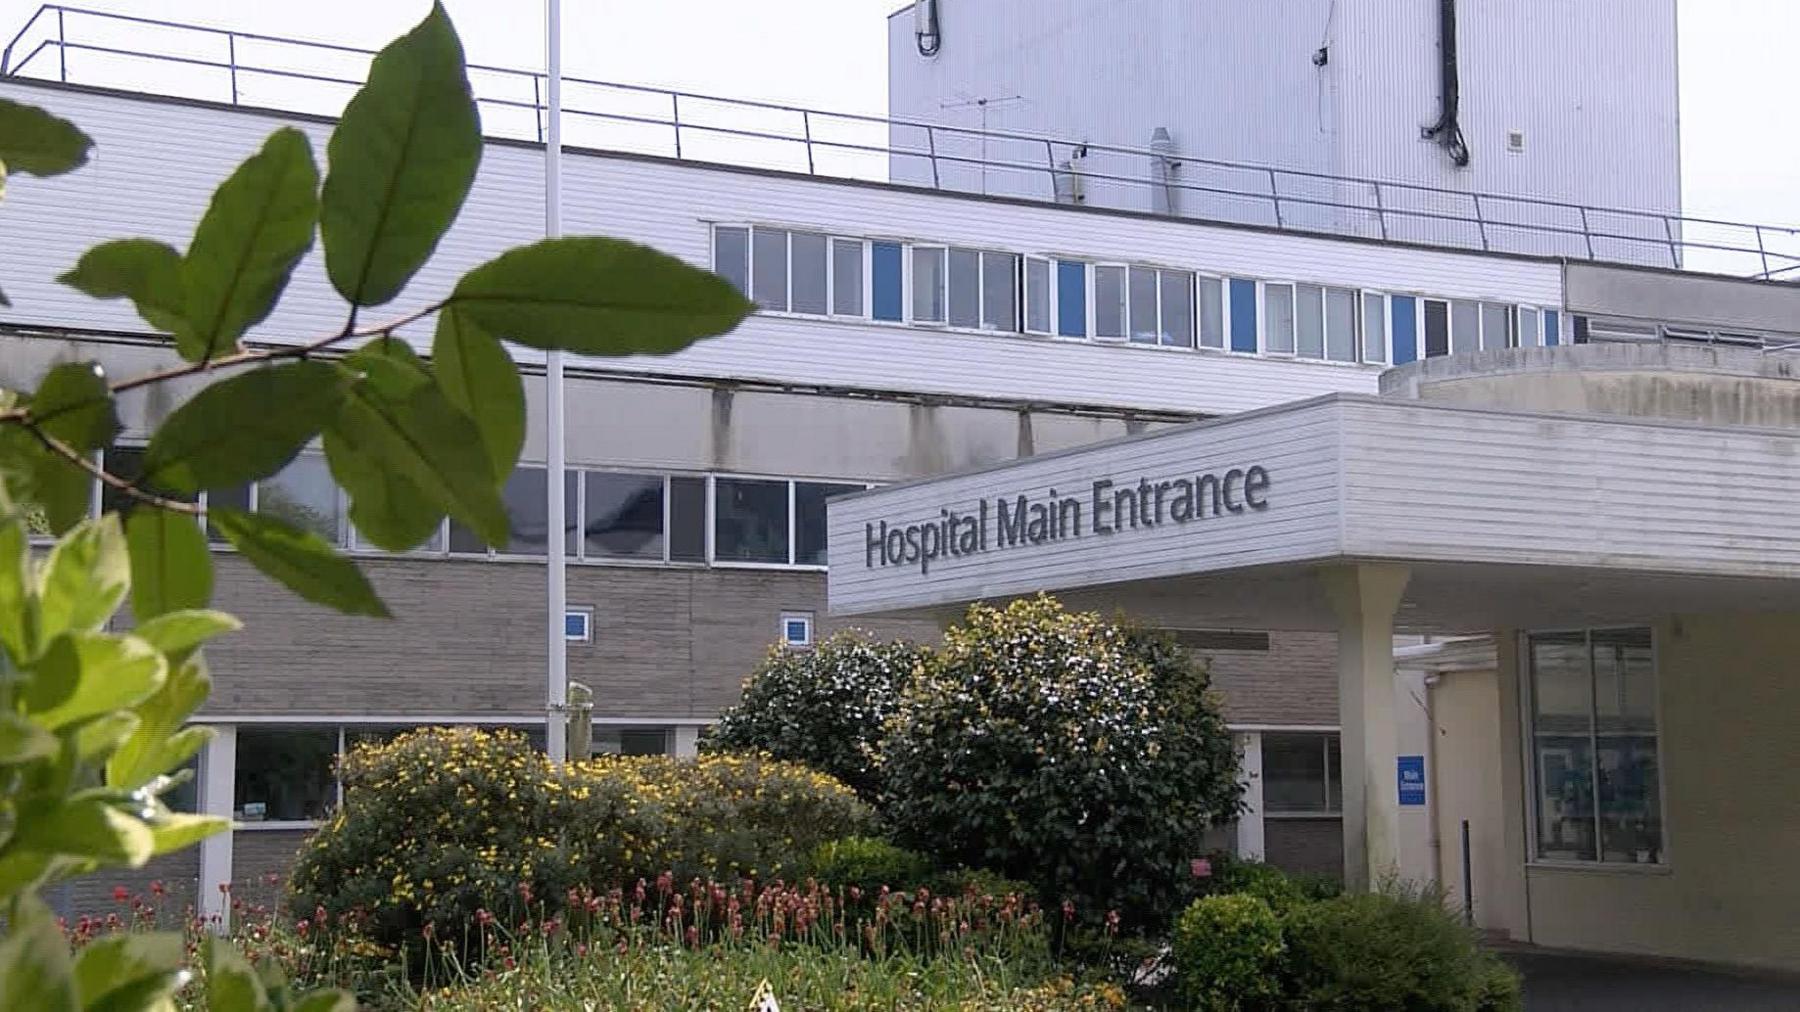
[{"x": 1107, "y": 507}]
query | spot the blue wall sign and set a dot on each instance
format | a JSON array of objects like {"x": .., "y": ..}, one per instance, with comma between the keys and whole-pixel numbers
[{"x": 1412, "y": 779}]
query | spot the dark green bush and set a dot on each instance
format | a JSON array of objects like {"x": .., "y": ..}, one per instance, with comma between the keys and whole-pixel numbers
[
  {"x": 1082, "y": 755},
  {"x": 981, "y": 882},
  {"x": 1227, "y": 951},
  {"x": 1281, "y": 891},
  {"x": 824, "y": 707},
  {"x": 1501, "y": 989},
  {"x": 867, "y": 863},
  {"x": 1394, "y": 949},
  {"x": 441, "y": 823}
]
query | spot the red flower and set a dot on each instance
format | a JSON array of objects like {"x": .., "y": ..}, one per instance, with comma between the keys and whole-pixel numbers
[
  {"x": 1068, "y": 910},
  {"x": 121, "y": 894},
  {"x": 156, "y": 888},
  {"x": 1201, "y": 867}
]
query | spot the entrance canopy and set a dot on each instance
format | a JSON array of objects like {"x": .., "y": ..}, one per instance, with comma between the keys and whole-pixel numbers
[{"x": 1504, "y": 520}]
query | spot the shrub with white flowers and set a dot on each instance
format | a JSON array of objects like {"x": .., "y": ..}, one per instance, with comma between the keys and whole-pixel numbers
[
  {"x": 824, "y": 707},
  {"x": 1081, "y": 754}
]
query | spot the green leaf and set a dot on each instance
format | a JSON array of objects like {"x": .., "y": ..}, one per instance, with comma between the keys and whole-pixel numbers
[
  {"x": 87, "y": 828},
  {"x": 35, "y": 476},
  {"x": 83, "y": 675},
  {"x": 35, "y": 972},
  {"x": 244, "y": 428},
  {"x": 129, "y": 972},
  {"x": 177, "y": 633},
  {"x": 36, "y": 143},
  {"x": 145, "y": 271},
  {"x": 387, "y": 510},
  {"x": 326, "y": 1001},
  {"x": 598, "y": 296},
  {"x": 480, "y": 379},
  {"x": 100, "y": 737},
  {"x": 258, "y": 227},
  {"x": 413, "y": 429},
  {"x": 84, "y": 580},
  {"x": 402, "y": 160},
  {"x": 301, "y": 561},
  {"x": 74, "y": 406},
  {"x": 22, "y": 740},
  {"x": 231, "y": 986},
  {"x": 160, "y": 744},
  {"x": 177, "y": 831},
  {"x": 18, "y": 605},
  {"x": 171, "y": 567}
]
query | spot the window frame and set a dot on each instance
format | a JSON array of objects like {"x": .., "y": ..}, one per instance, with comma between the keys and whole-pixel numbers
[
  {"x": 1363, "y": 295},
  {"x": 1027, "y": 289},
  {"x": 1526, "y": 683},
  {"x": 1334, "y": 799},
  {"x": 804, "y": 617}
]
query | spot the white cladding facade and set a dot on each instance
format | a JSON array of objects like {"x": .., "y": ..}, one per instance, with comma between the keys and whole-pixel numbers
[
  {"x": 1559, "y": 101},
  {"x": 133, "y": 187}
]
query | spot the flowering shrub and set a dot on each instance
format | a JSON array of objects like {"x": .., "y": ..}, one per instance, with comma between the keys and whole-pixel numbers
[
  {"x": 1082, "y": 755},
  {"x": 824, "y": 707},
  {"x": 1227, "y": 950},
  {"x": 442, "y": 827}
]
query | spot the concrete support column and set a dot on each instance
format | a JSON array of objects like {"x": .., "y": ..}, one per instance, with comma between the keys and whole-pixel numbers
[
  {"x": 218, "y": 784},
  {"x": 1250, "y": 824},
  {"x": 687, "y": 741},
  {"x": 1365, "y": 598}
]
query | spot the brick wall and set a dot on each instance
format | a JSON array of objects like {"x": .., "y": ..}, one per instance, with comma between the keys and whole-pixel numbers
[
  {"x": 468, "y": 638},
  {"x": 92, "y": 895},
  {"x": 1293, "y": 682},
  {"x": 260, "y": 862}
]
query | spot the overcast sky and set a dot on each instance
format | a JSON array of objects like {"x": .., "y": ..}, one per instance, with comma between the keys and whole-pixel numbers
[{"x": 1741, "y": 151}]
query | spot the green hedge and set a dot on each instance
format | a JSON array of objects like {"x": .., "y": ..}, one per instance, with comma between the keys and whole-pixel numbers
[
  {"x": 1229, "y": 949},
  {"x": 442, "y": 823}
]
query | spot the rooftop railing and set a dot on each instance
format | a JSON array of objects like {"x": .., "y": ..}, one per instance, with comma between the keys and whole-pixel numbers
[{"x": 171, "y": 58}]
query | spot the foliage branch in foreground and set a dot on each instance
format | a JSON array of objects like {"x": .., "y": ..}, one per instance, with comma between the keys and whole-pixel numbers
[{"x": 92, "y": 719}]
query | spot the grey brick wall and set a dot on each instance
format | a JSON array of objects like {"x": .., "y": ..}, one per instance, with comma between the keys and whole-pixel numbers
[
  {"x": 260, "y": 862},
  {"x": 1305, "y": 846},
  {"x": 92, "y": 895},
  {"x": 1293, "y": 682},
  {"x": 468, "y": 638}
]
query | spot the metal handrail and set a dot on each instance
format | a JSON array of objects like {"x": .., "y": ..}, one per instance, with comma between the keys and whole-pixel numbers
[{"x": 1380, "y": 204}]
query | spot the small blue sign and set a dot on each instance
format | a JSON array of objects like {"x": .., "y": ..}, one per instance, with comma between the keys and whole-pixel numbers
[{"x": 1412, "y": 779}]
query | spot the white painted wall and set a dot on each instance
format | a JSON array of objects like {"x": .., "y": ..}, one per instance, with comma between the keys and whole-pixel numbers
[
  {"x": 1591, "y": 85},
  {"x": 158, "y": 160},
  {"x": 1728, "y": 695}
]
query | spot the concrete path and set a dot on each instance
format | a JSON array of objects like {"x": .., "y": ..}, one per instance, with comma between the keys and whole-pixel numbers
[{"x": 1571, "y": 982}]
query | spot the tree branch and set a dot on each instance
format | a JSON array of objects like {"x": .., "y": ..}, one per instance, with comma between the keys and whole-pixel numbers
[
  {"x": 109, "y": 479},
  {"x": 272, "y": 354}
]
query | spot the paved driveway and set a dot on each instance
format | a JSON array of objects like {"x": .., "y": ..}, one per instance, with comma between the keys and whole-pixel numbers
[{"x": 1567, "y": 982}]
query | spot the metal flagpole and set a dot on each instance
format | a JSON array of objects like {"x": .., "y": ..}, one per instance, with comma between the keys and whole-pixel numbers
[{"x": 556, "y": 526}]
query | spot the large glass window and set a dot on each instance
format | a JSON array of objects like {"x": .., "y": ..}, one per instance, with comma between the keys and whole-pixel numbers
[
  {"x": 1496, "y": 325},
  {"x": 631, "y": 741},
  {"x": 750, "y": 520},
  {"x": 965, "y": 288},
  {"x": 769, "y": 267},
  {"x": 809, "y": 519},
  {"x": 928, "y": 284},
  {"x": 847, "y": 277},
  {"x": 999, "y": 291},
  {"x": 731, "y": 256},
  {"x": 1212, "y": 312},
  {"x": 622, "y": 517},
  {"x": 1309, "y": 321},
  {"x": 1109, "y": 302},
  {"x": 1300, "y": 774},
  {"x": 1437, "y": 328},
  {"x": 304, "y": 494},
  {"x": 1038, "y": 296},
  {"x": 1340, "y": 325},
  {"x": 687, "y": 519},
  {"x": 1465, "y": 326},
  {"x": 284, "y": 774},
  {"x": 1594, "y": 748},
  {"x": 1528, "y": 328},
  {"x": 1278, "y": 319},
  {"x": 1140, "y": 301},
  {"x": 1175, "y": 291},
  {"x": 809, "y": 273},
  {"x": 235, "y": 498},
  {"x": 1374, "y": 327}
]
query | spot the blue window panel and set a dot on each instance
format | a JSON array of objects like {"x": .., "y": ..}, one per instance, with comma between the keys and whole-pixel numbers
[
  {"x": 1406, "y": 328},
  {"x": 1552, "y": 328},
  {"x": 886, "y": 300},
  {"x": 575, "y": 625},
  {"x": 1243, "y": 315},
  {"x": 1071, "y": 298}
]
